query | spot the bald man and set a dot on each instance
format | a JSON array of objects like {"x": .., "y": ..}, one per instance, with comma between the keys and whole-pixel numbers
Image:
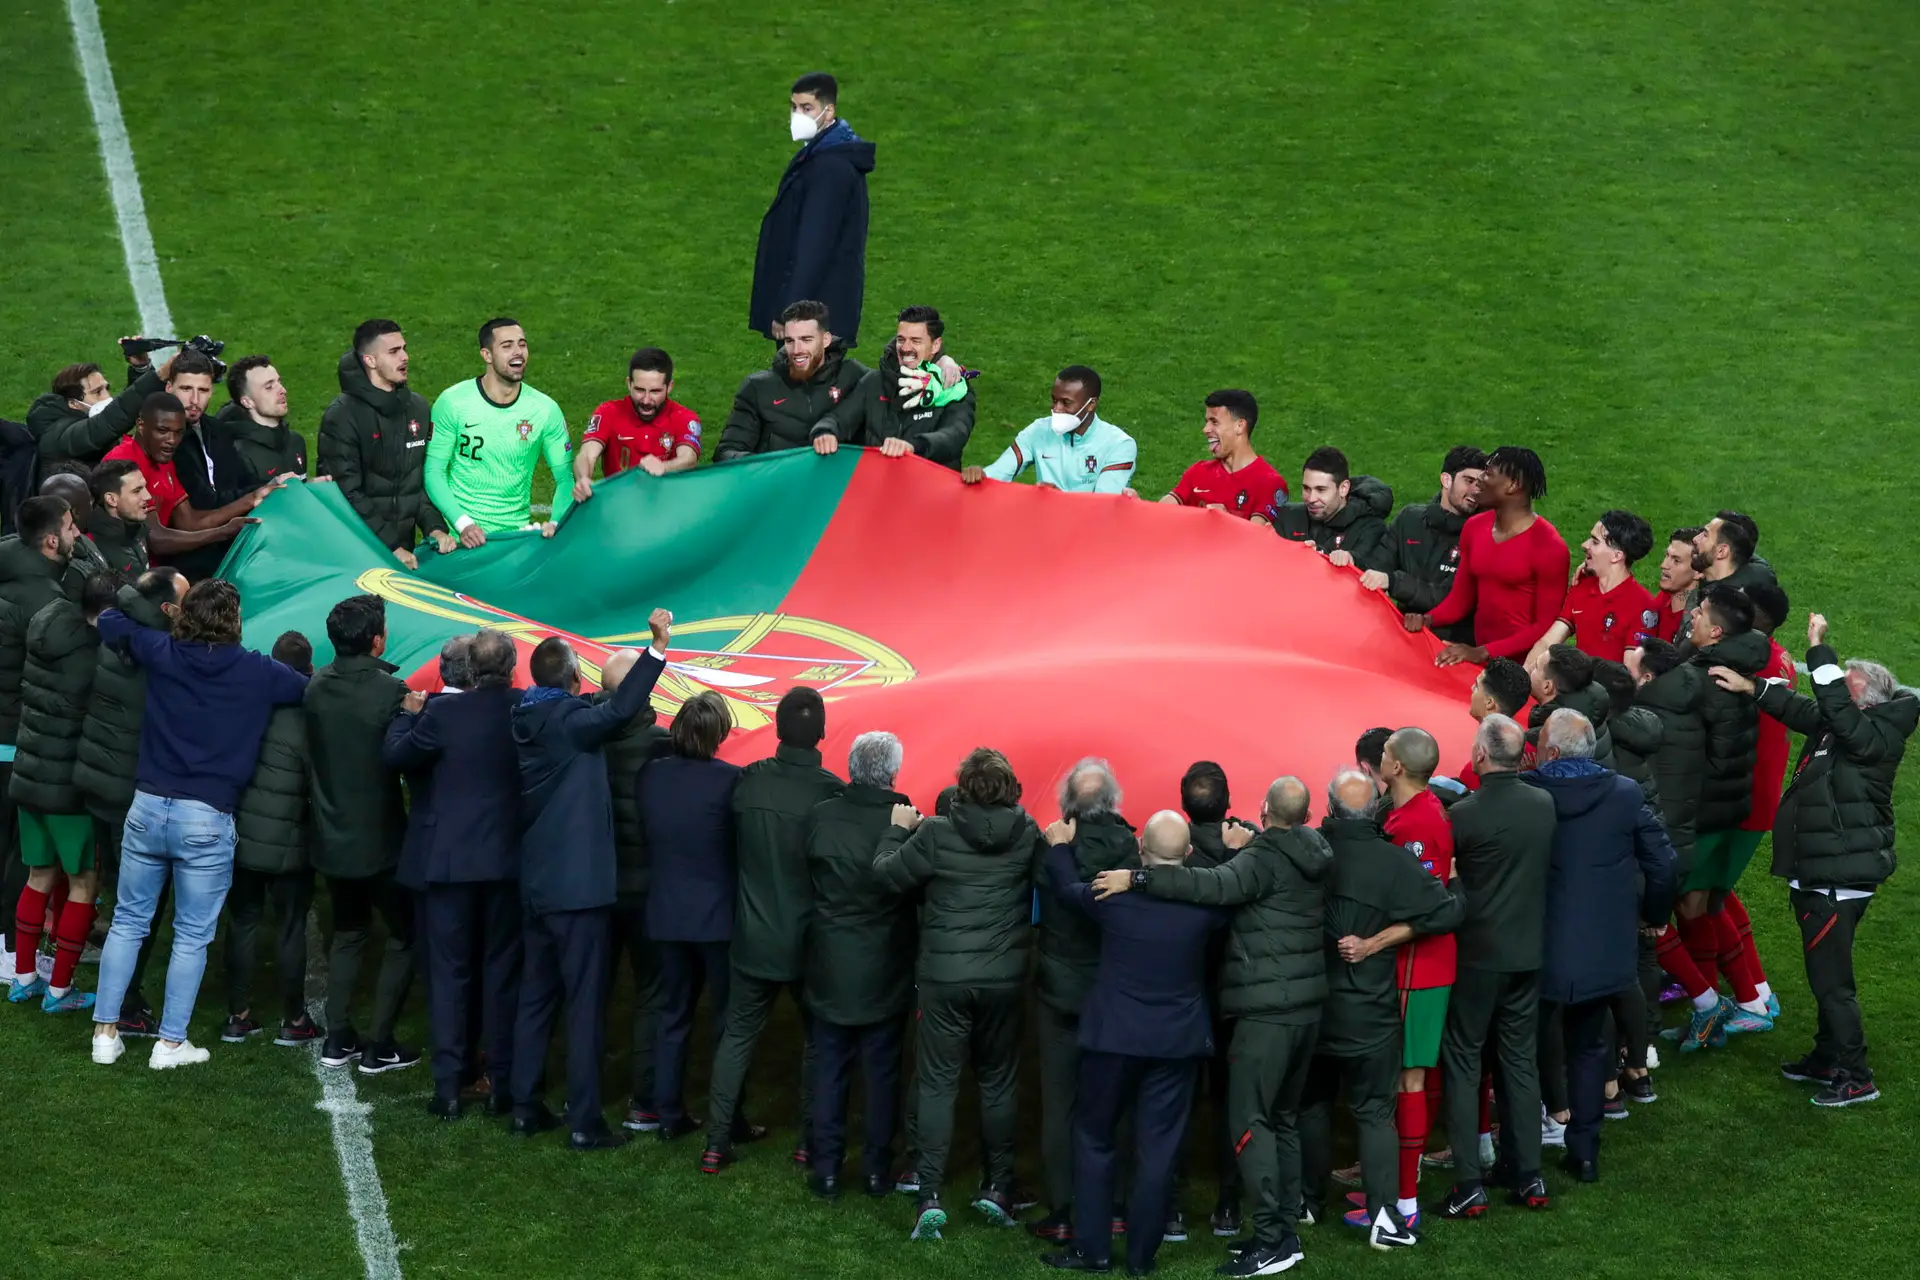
[
  {"x": 1274, "y": 983},
  {"x": 1374, "y": 888},
  {"x": 1143, "y": 1031}
]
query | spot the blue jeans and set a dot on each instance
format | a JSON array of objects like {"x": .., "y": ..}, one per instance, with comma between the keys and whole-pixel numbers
[{"x": 194, "y": 843}]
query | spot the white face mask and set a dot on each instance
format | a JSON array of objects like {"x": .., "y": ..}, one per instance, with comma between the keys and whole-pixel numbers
[
  {"x": 96, "y": 409},
  {"x": 1064, "y": 423},
  {"x": 803, "y": 127}
]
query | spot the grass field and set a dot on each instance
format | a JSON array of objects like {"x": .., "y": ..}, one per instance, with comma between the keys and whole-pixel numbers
[{"x": 1674, "y": 248}]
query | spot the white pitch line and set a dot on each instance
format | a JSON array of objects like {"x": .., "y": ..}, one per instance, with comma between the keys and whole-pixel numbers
[
  {"x": 123, "y": 179},
  {"x": 350, "y": 1117}
]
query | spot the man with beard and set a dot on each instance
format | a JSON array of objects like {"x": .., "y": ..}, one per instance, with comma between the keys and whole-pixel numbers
[
  {"x": 1422, "y": 553},
  {"x": 646, "y": 428},
  {"x": 1069, "y": 954},
  {"x": 1677, "y": 579},
  {"x": 1723, "y": 552},
  {"x": 1344, "y": 518},
  {"x": 1072, "y": 449},
  {"x": 916, "y": 402},
  {"x": 373, "y": 443},
  {"x": 487, "y": 436},
  {"x": 245, "y": 445},
  {"x": 1512, "y": 579},
  {"x": 1606, "y": 607},
  {"x": 1235, "y": 479},
  {"x": 118, "y": 522},
  {"x": 174, "y": 528},
  {"x": 781, "y": 407}
]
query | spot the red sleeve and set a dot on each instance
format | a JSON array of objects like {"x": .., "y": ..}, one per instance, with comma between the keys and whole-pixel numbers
[
  {"x": 600, "y": 425},
  {"x": 689, "y": 434},
  {"x": 1550, "y": 561},
  {"x": 1277, "y": 493},
  {"x": 1565, "y": 612},
  {"x": 1462, "y": 594},
  {"x": 1184, "y": 489},
  {"x": 1281, "y": 492}
]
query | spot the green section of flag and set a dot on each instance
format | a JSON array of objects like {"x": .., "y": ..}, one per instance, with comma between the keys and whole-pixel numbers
[{"x": 710, "y": 543}]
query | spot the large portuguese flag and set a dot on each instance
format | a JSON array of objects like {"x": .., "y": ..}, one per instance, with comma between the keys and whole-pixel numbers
[{"x": 1049, "y": 625}]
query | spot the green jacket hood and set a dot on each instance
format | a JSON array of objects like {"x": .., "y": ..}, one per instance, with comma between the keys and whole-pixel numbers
[
  {"x": 1592, "y": 702},
  {"x": 355, "y": 383},
  {"x": 988, "y": 830},
  {"x": 1304, "y": 847},
  {"x": 1746, "y": 653},
  {"x": 1366, "y": 496}
]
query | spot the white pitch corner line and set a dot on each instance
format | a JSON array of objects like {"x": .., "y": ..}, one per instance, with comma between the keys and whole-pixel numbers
[{"x": 350, "y": 1118}]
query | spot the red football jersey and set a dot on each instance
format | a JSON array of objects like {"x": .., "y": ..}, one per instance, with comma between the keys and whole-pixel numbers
[
  {"x": 1605, "y": 622},
  {"x": 626, "y": 438},
  {"x": 1245, "y": 493},
  {"x": 1668, "y": 627},
  {"x": 1420, "y": 827},
  {"x": 1770, "y": 756},
  {"x": 163, "y": 482}
]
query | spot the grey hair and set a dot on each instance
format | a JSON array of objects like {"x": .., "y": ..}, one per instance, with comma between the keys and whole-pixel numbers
[
  {"x": 493, "y": 659},
  {"x": 1502, "y": 740},
  {"x": 1106, "y": 800},
  {"x": 456, "y": 663},
  {"x": 875, "y": 759},
  {"x": 1880, "y": 685},
  {"x": 1570, "y": 734},
  {"x": 1334, "y": 807}
]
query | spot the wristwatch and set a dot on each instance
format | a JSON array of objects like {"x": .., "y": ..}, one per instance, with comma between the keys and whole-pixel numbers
[{"x": 1143, "y": 877}]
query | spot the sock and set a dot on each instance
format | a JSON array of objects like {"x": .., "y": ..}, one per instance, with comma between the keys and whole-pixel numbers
[
  {"x": 1764, "y": 991},
  {"x": 1733, "y": 961},
  {"x": 1407, "y": 1208},
  {"x": 1435, "y": 1102},
  {"x": 56, "y": 900},
  {"x": 1410, "y": 1115},
  {"x": 1675, "y": 960},
  {"x": 1702, "y": 941},
  {"x": 69, "y": 940},
  {"x": 1486, "y": 1106},
  {"x": 29, "y": 922},
  {"x": 1737, "y": 911},
  {"x": 1706, "y": 1001}
]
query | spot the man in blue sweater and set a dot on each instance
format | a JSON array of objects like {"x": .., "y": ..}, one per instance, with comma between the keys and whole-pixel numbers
[
  {"x": 208, "y": 702},
  {"x": 569, "y": 876}
]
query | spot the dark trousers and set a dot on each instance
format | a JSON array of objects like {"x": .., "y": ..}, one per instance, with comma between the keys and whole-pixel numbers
[
  {"x": 1372, "y": 1081},
  {"x": 354, "y": 903},
  {"x": 564, "y": 955},
  {"x": 1058, "y": 1036},
  {"x": 877, "y": 1046},
  {"x": 960, "y": 1025},
  {"x": 685, "y": 968},
  {"x": 1827, "y": 929},
  {"x": 1583, "y": 1028},
  {"x": 1500, "y": 1012},
  {"x": 1269, "y": 1076},
  {"x": 749, "y": 1003},
  {"x": 1627, "y": 1029},
  {"x": 463, "y": 923},
  {"x": 1158, "y": 1094},
  {"x": 1226, "y": 1165},
  {"x": 630, "y": 940},
  {"x": 291, "y": 893}
]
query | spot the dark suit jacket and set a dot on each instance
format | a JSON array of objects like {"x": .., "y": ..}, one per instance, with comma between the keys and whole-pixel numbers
[
  {"x": 1149, "y": 997},
  {"x": 686, "y": 809},
  {"x": 567, "y": 856},
  {"x": 458, "y": 753}
]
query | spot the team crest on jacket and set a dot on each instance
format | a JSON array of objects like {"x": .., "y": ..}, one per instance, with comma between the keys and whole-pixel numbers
[
  {"x": 525, "y": 428},
  {"x": 834, "y": 394},
  {"x": 1240, "y": 499},
  {"x": 413, "y": 426},
  {"x": 1606, "y": 623},
  {"x": 666, "y": 442},
  {"x": 1092, "y": 462}
]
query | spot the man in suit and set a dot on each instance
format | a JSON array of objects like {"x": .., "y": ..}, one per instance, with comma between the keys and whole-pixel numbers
[
  {"x": 1143, "y": 1029},
  {"x": 1502, "y": 844},
  {"x": 569, "y": 876},
  {"x": 463, "y": 855}
]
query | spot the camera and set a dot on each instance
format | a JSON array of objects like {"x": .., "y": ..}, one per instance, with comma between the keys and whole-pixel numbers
[{"x": 206, "y": 346}]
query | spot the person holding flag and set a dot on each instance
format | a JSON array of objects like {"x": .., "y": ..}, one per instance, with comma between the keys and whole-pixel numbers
[{"x": 487, "y": 436}]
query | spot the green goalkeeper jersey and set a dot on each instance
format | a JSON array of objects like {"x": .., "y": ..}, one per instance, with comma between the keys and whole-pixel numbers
[{"x": 480, "y": 460}]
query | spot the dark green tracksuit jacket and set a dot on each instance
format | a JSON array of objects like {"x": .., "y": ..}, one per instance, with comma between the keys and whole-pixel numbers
[
  {"x": 374, "y": 445},
  {"x": 873, "y": 415},
  {"x": 109, "y": 752},
  {"x": 1591, "y": 702},
  {"x": 29, "y": 582},
  {"x": 1421, "y": 556},
  {"x": 1733, "y": 730},
  {"x": 244, "y": 456},
  {"x": 860, "y": 940},
  {"x": 772, "y": 412},
  {"x": 70, "y": 440},
  {"x": 270, "y": 823},
  {"x": 1359, "y": 528},
  {"x": 1679, "y": 765},
  {"x": 62, "y": 651},
  {"x": 1755, "y": 570},
  {"x": 359, "y": 817},
  {"x": 123, "y": 546}
]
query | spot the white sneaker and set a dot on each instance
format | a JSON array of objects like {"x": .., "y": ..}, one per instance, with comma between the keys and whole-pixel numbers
[
  {"x": 1552, "y": 1132},
  {"x": 107, "y": 1050},
  {"x": 186, "y": 1055},
  {"x": 43, "y": 965},
  {"x": 1653, "y": 1058}
]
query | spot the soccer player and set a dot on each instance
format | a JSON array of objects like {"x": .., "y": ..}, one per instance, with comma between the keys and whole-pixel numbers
[
  {"x": 1723, "y": 551},
  {"x": 789, "y": 405},
  {"x": 915, "y": 403},
  {"x": 1423, "y": 545},
  {"x": 1235, "y": 479},
  {"x": 1512, "y": 578},
  {"x": 1343, "y": 516},
  {"x": 156, "y": 436},
  {"x": 1503, "y": 687},
  {"x": 487, "y": 435},
  {"x": 1606, "y": 607},
  {"x": 645, "y": 428},
  {"x": 1072, "y": 449},
  {"x": 1677, "y": 579}
]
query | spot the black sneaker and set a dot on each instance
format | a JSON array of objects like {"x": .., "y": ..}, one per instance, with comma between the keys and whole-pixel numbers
[
  {"x": 1615, "y": 1108},
  {"x": 1261, "y": 1259},
  {"x": 342, "y": 1048},
  {"x": 1056, "y": 1226},
  {"x": 1074, "y": 1260},
  {"x": 1639, "y": 1089},
  {"x": 1176, "y": 1232},
  {"x": 996, "y": 1206},
  {"x": 1461, "y": 1205},
  {"x": 674, "y": 1130},
  {"x": 139, "y": 1022},
  {"x": 238, "y": 1028},
  {"x": 303, "y": 1030},
  {"x": 641, "y": 1120},
  {"x": 1531, "y": 1194},
  {"x": 1846, "y": 1090},
  {"x": 1391, "y": 1231},
  {"x": 388, "y": 1057},
  {"x": 1805, "y": 1071},
  {"x": 1225, "y": 1221}
]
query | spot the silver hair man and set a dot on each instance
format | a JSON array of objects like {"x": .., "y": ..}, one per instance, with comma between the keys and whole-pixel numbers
[
  {"x": 456, "y": 663},
  {"x": 1870, "y": 684},
  {"x": 1090, "y": 790},
  {"x": 1351, "y": 794},
  {"x": 1567, "y": 736},
  {"x": 874, "y": 760},
  {"x": 1499, "y": 745}
]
